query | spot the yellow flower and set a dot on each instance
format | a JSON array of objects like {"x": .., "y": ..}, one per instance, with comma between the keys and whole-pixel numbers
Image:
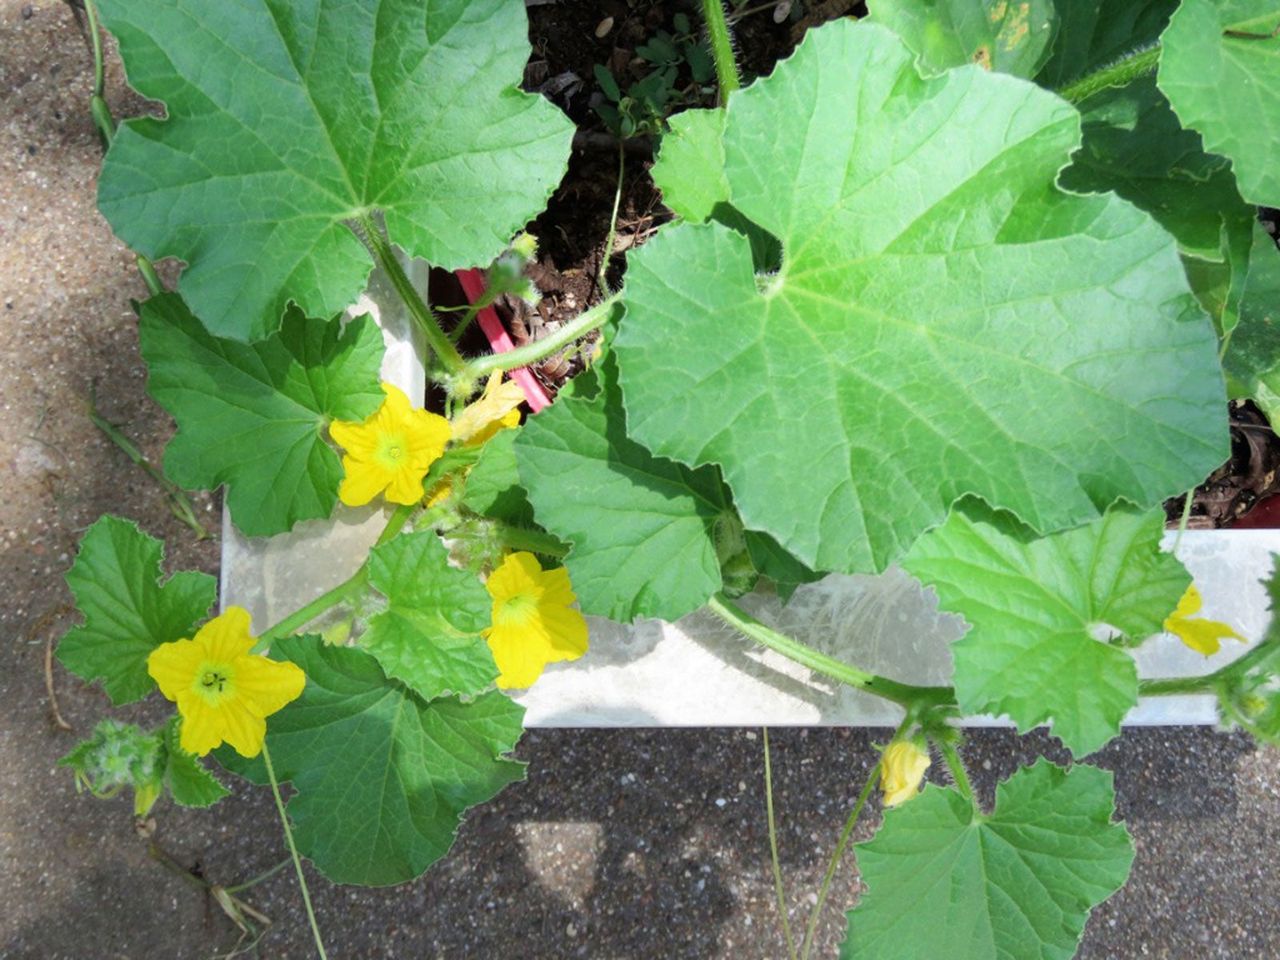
[
  {"x": 902, "y": 767},
  {"x": 533, "y": 622},
  {"x": 390, "y": 452},
  {"x": 223, "y": 691},
  {"x": 1203, "y": 636},
  {"x": 494, "y": 411}
]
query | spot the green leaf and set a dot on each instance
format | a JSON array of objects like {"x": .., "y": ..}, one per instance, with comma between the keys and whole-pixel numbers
[
  {"x": 782, "y": 568},
  {"x": 127, "y": 610},
  {"x": 641, "y": 528},
  {"x": 493, "y": 486},
  {"x": 945, "y": 321},
  {"x": 944, "y": 880},
  {"x": 1228, "y": 87},
  {"x": 1010, "y": 37},
  {"x": 1253, "y": 355},
  {"x": 286, "y": 120},
  {"x": 429, "y": 636},
  {"x": 382, "y": 776},
  {"x": 690, "y": 166},
  {"x": 252, "y": 416},
  {"x": 189, "y": 782},
  {"x": 1035, "y": 605}
]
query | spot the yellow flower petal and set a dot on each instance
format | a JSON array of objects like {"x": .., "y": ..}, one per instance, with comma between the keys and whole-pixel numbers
[
  {"x": 201, "y": 728},
  {"x": 533, "y": 622},
  {"x": 173, "y": 666},
  {"x": 226, "y": 637},
  {"x": 494, "y": 411},
  {"x": 902, "y": 767},
  {"x": 267, "y": 684},
  {"x": 364, "y": 480},
  {"x": 1202, "y": 636},
  {"x": 405, "y": 487}
]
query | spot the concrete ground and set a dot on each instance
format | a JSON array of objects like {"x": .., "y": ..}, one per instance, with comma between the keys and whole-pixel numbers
[{"x": 621, "y": 844}]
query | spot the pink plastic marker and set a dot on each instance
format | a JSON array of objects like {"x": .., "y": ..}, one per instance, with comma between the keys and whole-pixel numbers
[{"x": 473, "y": 286}]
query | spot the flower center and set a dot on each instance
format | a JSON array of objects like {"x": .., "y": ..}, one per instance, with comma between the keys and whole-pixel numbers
[
  {"x": 392, "y": 451},
  {"x": 215, "y": 681},
  {"x": 519, "y": 609}
]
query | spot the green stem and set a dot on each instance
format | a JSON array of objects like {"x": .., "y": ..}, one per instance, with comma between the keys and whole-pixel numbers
[
  {"x": 1126, "y": 70},
  {"x": 778, "y": 889},
  {"x": 578, "y": 327},
  {"x": 601, "y": 282},
  {"x": 1186, "y": 516},
  {"x": 95, "y": 38},
  {"x": 811, "y": 928},
  {"x": 348, "y": 589},
  {"x": 721, "y": 49},
  {"x": 952, "y": 756},
  {"x": 908, "y": 695},
  {"x": 293, "y": 852},
  {"x": 421, "y": 313}
]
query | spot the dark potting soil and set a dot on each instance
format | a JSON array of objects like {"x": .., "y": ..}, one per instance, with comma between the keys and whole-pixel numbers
[{"x": 569, "y": 39}]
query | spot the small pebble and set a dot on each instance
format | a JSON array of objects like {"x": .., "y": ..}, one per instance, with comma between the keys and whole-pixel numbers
[
  {"x": 27, "y": 12},
  {"x": 603, "y": 28}
]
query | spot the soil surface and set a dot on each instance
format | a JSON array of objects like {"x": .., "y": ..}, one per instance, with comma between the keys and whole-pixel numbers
[{"x": 621, "y": 844}]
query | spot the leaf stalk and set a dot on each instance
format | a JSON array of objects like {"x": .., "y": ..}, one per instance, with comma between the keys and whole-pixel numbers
[
  {"x": 721, "y": 49},
  {"x": 537, "y": 350}
]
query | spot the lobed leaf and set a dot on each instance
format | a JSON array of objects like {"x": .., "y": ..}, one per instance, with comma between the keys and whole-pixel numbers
[
  {"x": 641, "y": 528},
  {"x": 252, "y": 416},
  {"x": 287, "y": 120},
  {"x": 429, "y": 636},
  {"x": 1037, "y": 606},
  {"x": 945, "y": 880},
  {"x": 382, "y": 776},
  {"x": 1011, "y": 37},
  {"x": 945, "y": 321},
  {"x": 127, "y": 610}
]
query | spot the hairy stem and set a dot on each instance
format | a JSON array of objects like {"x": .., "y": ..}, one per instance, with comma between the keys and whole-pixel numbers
[
  {"x": 439, "y": 343},
  {"x": 779, "y": 890},
  {"x": 579, "y": 326},
  {"x": 293, "y": 852},
  {"x": 902, "y": 693},
  {"x": 1127, "y": 69},
  {"x": 956, "y": 765},
  {"x": 721, "y": 49}
]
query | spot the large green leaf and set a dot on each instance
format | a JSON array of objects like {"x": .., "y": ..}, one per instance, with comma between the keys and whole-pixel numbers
[
  {"x": 945, "y": 320},
  {"x": 382, "y": 776},
  {"x": 1227, "y": 86},
  {"x": 1253, "y": 356},
  {"x": 690, "y": 166},
  {"x": 642, "y": 528},
  {"x": 252, "y": 416},
  {"x": 287, "y": 119},
  {"x": 190, "y": 782},
  {"x": 429, "y": 636},
  {"x": 493, "y": 486},
  {"x": 1011, "y": 37},
  {"x": 944, "y": 880},
  {"x": 127, "y": 611},
  {"x": 1037, "y": 606}
]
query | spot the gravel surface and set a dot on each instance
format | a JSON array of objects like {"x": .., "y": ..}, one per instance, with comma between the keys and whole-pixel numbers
[{"x": 621, "y": 844}]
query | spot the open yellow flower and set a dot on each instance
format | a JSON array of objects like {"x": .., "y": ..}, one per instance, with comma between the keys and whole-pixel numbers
[
  {"x": 390, "y": 452},
  {"x": 1203, "y": 636},
  {"x": 533, "y": 621},
  {"x": 223, "y": 692},
  {"x": 494, "y": 411},
  {"x": 902, "y": 767}
]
